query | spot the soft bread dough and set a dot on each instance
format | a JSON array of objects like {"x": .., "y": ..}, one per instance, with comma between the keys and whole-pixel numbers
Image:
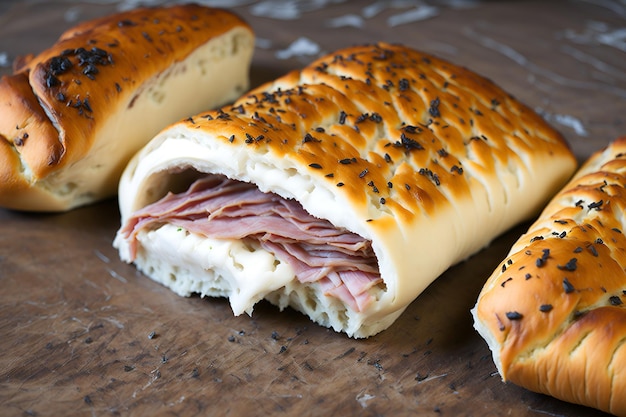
[
  {"x": 426, "y": 159},
  {"x": 72, "y": 117},
  {"x": 553, "y": 312}
]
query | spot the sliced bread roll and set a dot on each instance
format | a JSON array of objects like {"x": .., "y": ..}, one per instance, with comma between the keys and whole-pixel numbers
[
  {"x": 72, "y": 116},
  {"x": 342, "y": 190},
  {"x": 553, "y": 313}
]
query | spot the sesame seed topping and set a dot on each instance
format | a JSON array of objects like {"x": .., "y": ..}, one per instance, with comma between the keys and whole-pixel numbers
[
  {"x": 544, "y": 308},
  {"x": 544, "y": 257},
  {"x": 567, "y": 286},
  {"x": 434, "y": 108},
  {"x": 595, "y": 205},
  {"x": 513, "y": 315},
  {"x": 569, "y": 266},
  {"x": 615, "y": 300}
]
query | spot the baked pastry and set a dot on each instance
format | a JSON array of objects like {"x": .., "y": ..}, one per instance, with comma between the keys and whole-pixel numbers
[
  {"x": 381, "y": 166},
  {"x": 72, "y": 116},
  {"x": 553, "y": 312}
]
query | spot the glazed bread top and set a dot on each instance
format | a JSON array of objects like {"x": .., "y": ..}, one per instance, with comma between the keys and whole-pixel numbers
[{"x": 75, "y": 98}]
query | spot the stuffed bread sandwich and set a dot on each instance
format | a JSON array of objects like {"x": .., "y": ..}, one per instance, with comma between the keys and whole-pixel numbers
[
  {"x": 554, "y": 313},
  {"x": 342, "y": 189}
]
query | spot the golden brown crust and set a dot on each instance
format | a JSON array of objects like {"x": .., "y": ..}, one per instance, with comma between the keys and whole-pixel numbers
[
  {"x": 53, "y": 110},
  {"x": 554, "y": 310},
  {"x": 405, "y": 117}
]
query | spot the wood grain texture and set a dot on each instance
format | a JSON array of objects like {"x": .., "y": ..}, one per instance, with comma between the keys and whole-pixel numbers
[{"x": 82, "y": 333}]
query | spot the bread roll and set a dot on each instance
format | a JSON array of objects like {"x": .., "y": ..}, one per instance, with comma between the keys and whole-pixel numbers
[
  {"x": 72, "y": 116},
  {"x": 419, "y": 162},
  {"x": 553, "y": 312}
]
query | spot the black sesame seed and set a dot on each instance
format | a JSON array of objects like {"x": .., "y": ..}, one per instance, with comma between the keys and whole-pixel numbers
[
  {"x": 544, "y": 257},
  {"x": 125, "y": 22},
  {"x": 615, "y": 300},
  {"x": 434, "y": 108},
  {"x": 567, "y": 286},
  {"x": 569, "y": 266},
  {"x": 544, "y": 308},
  {"x": 342, "y": 117},
  {"x": 376, "y": 118},
  {"x": 387, "y": 158},
  {"x": 382, "y": 200},
  {"x": 595, "y": 205},
  {"x": 363, "y": 173},
  {"x": 513, "y": 315},
  {"x": 456, "y": 168},
  {"x": 52, "y": 81},
  {"x": 407, "y": 143},
  {"x": 345, "y": 161},
  {"x": 308, "y": 138},
  {"x": 86, "y": 105},
  {"x": 231, "y": 139},
  {"x": 340, "y": 184},
  {"x": 315, "y": 165}
]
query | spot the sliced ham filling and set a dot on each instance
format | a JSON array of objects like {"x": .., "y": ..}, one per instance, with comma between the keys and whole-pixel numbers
[{"x": 341, "y": 262}]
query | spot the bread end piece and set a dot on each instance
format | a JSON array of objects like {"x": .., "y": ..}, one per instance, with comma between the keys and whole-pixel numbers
[
  {"x": 73, "y": 116},
  {"x": 554, "y": 312}
]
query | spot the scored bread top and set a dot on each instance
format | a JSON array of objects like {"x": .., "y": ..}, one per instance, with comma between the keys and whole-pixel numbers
[
  {"x": 427, "y": 159},
  {"x": 553, "y": 313},
  {"x": 54, "y": 106}
]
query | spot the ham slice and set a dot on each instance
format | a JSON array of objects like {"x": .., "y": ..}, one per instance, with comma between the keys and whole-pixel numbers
[{"x": 341, "y": 262}]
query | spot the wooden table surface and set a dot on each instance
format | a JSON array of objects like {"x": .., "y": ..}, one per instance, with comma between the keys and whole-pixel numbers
[{"x": 83, "y": 334}]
